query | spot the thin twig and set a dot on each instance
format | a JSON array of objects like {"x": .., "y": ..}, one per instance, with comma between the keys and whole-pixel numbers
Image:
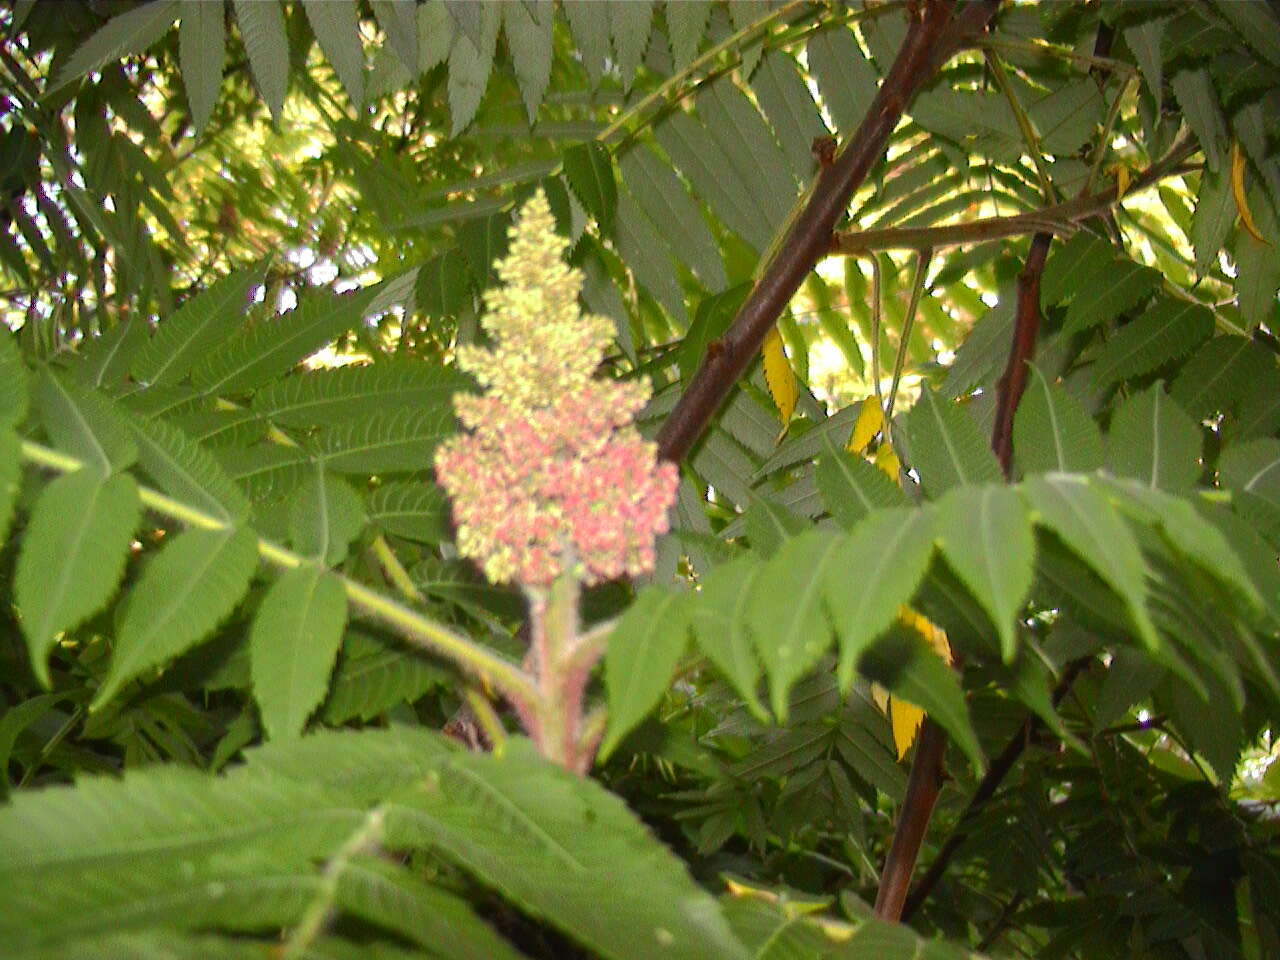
[{"x": 917, "y": 289}]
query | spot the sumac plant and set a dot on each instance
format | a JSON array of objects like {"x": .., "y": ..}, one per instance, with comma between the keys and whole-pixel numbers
[{"x": 639, "y": 480}]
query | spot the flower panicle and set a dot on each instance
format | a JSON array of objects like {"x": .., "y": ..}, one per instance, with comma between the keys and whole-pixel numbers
[{"x": 550, "y": 465}]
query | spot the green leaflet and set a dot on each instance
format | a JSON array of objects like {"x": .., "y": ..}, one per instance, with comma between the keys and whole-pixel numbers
[
  {"x": 545, "y": 839},
  {"x": 84, "y": 424},
  {"x": 185, "y": 470},
  {"x": 1215, "y": 215},
  {"x": 527, "y": 27},
  {"x": 1087, "y": 524},
  {"x": 10, "y": 474},
  {"x": 201, "y": 39},
  {"x": 659, "y": 193},
  {"x": 642, "y": 654},
  {"x": 198, "y": 326},
  {"x": 411, "y": 509},
  {"x": 260, "y": 354},
  {"x": 851, "y": 487},
  {"x": 1170, "y": 328},
  {"x": 1219, "y": 375},
  {"x": 325, "y": 515},
  {"x": 262, "y": 31},
  {"x": 194, "y": 582},
  {"x": 1052, "y": 431},
  {"x": 629, "y": 24},
  {"x": 878, "y": 568},
  {"x": 719, "y": 616},
  {"x": 769, "y": 525},
  {"x": 588, "y": 167},
  {"x": 589, "y": 21},
  {"x": 985, "y": 535},
  {"x": 336, "y": 24},
  {"x": 945, "y": 447},
  {"x": 292, "y": 646},
  {"x": 786, "y": 101},
  {"x": 73, "y": 556},
  {"x": 1075, "y": 265},
  {"x": 640, "y": 244},
  {"x": 1199, "y": 104},
  {"x": 686, "y": 23},
  {"x": 13, "y": 382},
  {"x": 1122, "y": 285},
  {"x": 786, "y": 615},
  {"x": 391, "y": 441},
  {"x": 321, "y": 397},
  {"x": 700, "y": 158},
  {"x": 129, "y": 32},
  {"x": 399, "y": 21},
  {"x": 374, "y": 675},
  {"x": 1258, "y": 266},
  {"x": 753, "y": 153},
  {"x": 845, "y": 77},
  {"x": 470, "y": 59},
  {"x": 1152, "y": 440},
  {"x": 436, "y": 919}
]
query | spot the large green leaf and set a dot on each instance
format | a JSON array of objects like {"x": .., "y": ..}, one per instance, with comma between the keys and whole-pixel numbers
[
  {"x": 130, "y": 32},
  {"x": 1086, "y": 523},
  {"x": 1052, "y": 431},
  {"x": 261, "y": 26},
  {"x": 267, "y": 350},
  {"x": 194, "y": 582},
  {"x": 73, "y": 556},
  {"x": 1152, "y": 440},
  {"x": 642, "y": 654},
  {"x": 878, "y": 568},
  {"x": 787, "y": 619},
  {"x": 10, "y": 472},
  {"x": 199, "y": 325},
  {"x": 986, "y": 537},
  {"x": 945, "y": 447},
  {"x": 201, "y": 39},
  {"x": 550, "y": 842},
  {"x": 470, "y": 61},
  {"x": 84, "y": 424},
  {"x": 292, "y": 646}
]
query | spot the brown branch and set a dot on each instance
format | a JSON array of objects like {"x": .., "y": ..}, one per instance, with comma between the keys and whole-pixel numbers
[
  {"x": 934, "y": 35},
  {"x": 995, "y": 775},
  {"x": 1026, "y": 328},
  {"x": 923, "y": 786}
]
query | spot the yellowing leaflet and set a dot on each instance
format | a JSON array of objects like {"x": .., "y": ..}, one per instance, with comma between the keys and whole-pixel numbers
[
  {"x": 779, "y": 377},
  {"x": 869, "y": 423},
  {"x": 1237, "y": 191},
  {"x": 905, "y": 718}
]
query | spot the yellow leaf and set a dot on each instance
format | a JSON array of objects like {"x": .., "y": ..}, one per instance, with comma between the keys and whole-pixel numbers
[
  {"x": 887, "y": 461},
  {"x": 779, "y": 377},
  {"x": 1237, "y": 191},
  {"x": 905, "y": 719},
  {"x": 1121, "y": 172},
  {"x": 870, "y": 420}
]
